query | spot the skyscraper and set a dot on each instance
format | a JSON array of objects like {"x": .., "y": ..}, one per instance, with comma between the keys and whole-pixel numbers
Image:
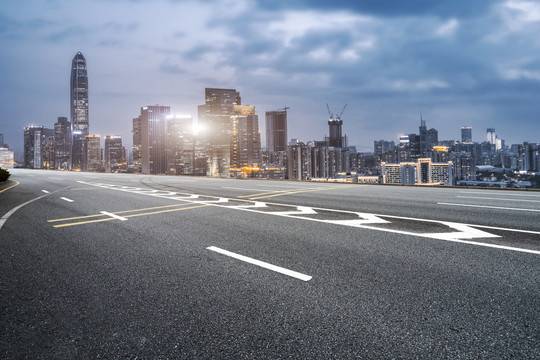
[
  {"x": 62, "y": 143},
  {"x": 35, "y": 146},
  {"x": 245, "y": 138},
  {"x": 93, "y": 152},
  {"x": 423, "y": 137},
  {"x": 180, "y": 145},
  {"x": 276, "y": 130},
  {"x": 114, "y": 153},
  {"x": 79, "y": 109},
  {"x": 491, "y": 137},
  {"x": 153, "y": 135},
  {"x": 137, "y": 145},
  {"x": 466, "y": 135},
  {"x": 215, "y": 119}
]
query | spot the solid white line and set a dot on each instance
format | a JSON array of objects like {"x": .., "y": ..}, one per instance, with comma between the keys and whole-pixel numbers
[
  {"x": 66, "y": 199},
  {"x": 113, "y": 216},
  {"x": 488, "y": 207},
  {"x": 513, "y": 193},
  {"x": 263, "y": 264},
  {"x": 45, "y": 191},
  {"x": 503, "y": 199},
  {"x": 12, "y": 211}
]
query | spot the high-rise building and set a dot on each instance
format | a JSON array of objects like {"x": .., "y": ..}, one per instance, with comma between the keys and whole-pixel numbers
[
  {"x": 93, "y": 153},
  {"x": 491, "y": 137},
  {"x": 114, "y": 153},
  {"x": 215, "y": 119},
  {"x": 6, "y": 157},
  {"x": 299, "y": 162},
  {"x": 35, "y": 146},
  {"x": 245, "y": 138},
  {"x": 137, "y": 145},
  {"x": 180, "y": 145},
  {"x": 2, "y": 140},
  {"x": 62, "y": 143},
  {"x": 423, "y": 137},
  {"x": 79, "y": 110},
  {"x": 466, "y": 135},
  {"x": 153, "y": 133},
  {"x": 276, "y": 130},
  {"x": 432, "y": 139}
]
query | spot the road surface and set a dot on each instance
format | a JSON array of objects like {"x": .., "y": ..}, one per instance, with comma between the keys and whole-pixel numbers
[{"x": 137, "y": 266}]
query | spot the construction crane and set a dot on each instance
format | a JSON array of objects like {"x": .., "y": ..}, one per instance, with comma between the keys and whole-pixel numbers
[
  {"x": 329, "y": 112},
  {"x": 339, "y": 117},
  {"x": 285, "y": 108}
]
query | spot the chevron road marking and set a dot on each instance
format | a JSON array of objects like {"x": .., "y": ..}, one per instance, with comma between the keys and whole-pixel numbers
[{"x": 463, "y": 234}]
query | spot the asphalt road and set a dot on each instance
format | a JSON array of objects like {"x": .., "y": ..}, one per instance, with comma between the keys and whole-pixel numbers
[{"x": 117, "y": 266}]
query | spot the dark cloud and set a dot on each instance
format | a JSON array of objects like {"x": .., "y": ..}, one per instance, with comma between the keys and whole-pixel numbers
[{"x": 389, "y": 8}]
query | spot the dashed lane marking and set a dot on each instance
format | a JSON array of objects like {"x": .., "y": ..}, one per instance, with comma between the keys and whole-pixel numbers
[
  {"x": 66, "y": 199},
  {"x": 262, "y": 264},
  {"x": 113, "y": 216}
]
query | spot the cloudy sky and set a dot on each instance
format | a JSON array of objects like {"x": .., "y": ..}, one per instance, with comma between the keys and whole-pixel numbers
[{"x": 457, "y": 62}]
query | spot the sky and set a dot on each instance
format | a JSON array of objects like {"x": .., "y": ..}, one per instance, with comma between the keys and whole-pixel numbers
[{"x": 454, "y": 63}]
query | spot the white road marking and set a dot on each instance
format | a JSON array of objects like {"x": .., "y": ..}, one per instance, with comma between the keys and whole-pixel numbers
[
  {"x": 502, "y": 199},
  {"x": 262, "y": 264},
  {"x": 66, "y": 199},
  {"x": 46, "y": 192},
  {"x": 55, "y": 178},
  {"x": 489, "y": 207},
  {"x": 113, "y": 215},
  {"x": 465, "y": 231},
  {"x": 6, "y": 216},
  {"x": 513, "y": 193}
]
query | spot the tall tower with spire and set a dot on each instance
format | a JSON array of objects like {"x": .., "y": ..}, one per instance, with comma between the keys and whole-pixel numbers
[{"x": 79, "y": 109}]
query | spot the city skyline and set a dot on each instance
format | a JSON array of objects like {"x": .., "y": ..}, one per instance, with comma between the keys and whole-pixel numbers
[{"x": 460, "y": 64}]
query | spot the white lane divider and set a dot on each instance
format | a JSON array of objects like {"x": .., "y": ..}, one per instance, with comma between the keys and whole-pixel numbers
[
  {"x": 66, "y": 199},
  {"x": 489, "y": 207},
  {"x": 113, "y": 215},
  {"x": 262, "y": 264},
  {"x": 46, "y": 192},
  {"x": 495, "y": 198}
]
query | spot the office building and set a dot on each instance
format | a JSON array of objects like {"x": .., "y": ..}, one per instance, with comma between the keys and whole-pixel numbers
[
  {"x": 6, "y": 157},
  {"x": 276, "y": 130},
  {"x": 152, "y": 125},
  {"x": 137, "y": 145},
  {"x": 93, "y": 153},
  {"x": 245, "y": 139},
  {"x": 114, "y": 153},
  {"x": 62, "y": 144},
  {"x": 79, "y": 110},
  {"x": 35, "y": 146},
  {"x": 2, "y": 141},
  {"x": 466, "y": 135},
  {"x": 215, "y": 118},
  {"x": 180, "y": 145},
  {"x": 491, "y": 137}
]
